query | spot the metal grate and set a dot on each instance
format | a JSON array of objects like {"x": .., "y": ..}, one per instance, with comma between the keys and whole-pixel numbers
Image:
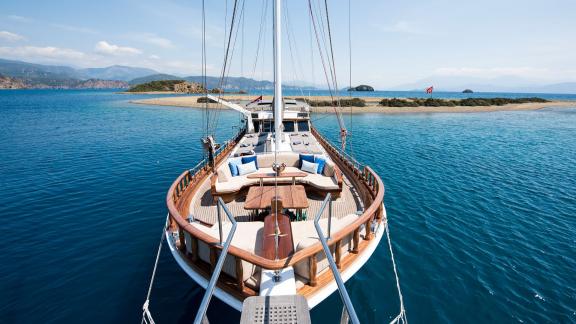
[{"x": 275, "y": 309}]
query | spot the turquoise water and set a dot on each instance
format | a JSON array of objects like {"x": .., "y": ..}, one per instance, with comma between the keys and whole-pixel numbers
[{"x": 481, "y": 206}]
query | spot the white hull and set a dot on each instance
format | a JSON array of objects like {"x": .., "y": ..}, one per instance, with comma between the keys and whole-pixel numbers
[{"x": 313, "y": 301}]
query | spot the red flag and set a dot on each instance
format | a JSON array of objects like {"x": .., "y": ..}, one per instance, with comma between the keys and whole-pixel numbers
[
  {"x": 256, "y": 100},
  {"x": 430, "y": 89}
]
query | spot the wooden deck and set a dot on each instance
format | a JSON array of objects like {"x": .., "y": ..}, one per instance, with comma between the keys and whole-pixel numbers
[{"x": 203, "y": 205}]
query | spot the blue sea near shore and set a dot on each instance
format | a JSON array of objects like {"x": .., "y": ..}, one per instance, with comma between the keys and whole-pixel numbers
[{"x": 481, "y": 207}]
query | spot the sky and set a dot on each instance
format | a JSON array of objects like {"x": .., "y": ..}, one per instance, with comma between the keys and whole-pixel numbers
[{"x": 394, "y": 44}]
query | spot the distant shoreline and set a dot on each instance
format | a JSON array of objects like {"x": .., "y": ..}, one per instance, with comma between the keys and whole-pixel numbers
[{"x": 372, "y": 106}]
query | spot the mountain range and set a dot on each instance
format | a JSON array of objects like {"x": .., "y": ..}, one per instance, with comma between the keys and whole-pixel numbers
[{"x": 18, "y": 74}]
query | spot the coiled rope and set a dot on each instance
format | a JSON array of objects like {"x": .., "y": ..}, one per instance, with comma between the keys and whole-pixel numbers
[{"x": 146, "y": 316}]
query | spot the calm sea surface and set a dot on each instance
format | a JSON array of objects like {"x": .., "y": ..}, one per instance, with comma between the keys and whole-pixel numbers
[{"x": 482, "y": 211}]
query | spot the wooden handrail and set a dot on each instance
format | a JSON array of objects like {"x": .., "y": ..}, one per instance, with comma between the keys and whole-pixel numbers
[{"x": 375, "y": 189}]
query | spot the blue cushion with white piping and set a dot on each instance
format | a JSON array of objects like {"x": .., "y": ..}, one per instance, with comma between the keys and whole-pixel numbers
[
  {"x": 321, "y": 161},
  {"x": 306, "y": 157},
  {"x": 233, "y": 165},
  {"x": 250, "y": 158}
]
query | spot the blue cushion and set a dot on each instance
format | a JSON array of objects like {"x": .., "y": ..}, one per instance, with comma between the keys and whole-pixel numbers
[
  {"x": 233, "y": 165},
  {"x": 306, "y": 157},
  {"x": 321, "y": 162},
  {"x": 248, "y": 159}
]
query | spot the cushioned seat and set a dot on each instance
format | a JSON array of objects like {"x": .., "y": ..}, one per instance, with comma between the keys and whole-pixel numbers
[
  {"x": 225, "y": 183},
  {"x": 248, "y": 237},
  {"x": 304, "y": 235},
  {"x": 321, "y": 182}
]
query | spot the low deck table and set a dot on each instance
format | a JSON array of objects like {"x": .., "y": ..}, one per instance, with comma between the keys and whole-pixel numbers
[
  {"x": 292, "y": 196},
  {"x": 262, "y": 176}
]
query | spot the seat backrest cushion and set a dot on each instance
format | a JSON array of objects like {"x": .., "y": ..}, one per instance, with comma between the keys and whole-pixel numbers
[{"x": 329, "y": 168}]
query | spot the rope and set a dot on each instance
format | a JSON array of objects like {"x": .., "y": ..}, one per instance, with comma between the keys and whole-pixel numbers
[
  {"x": 401, "y": 318},
  {"x": 146, "y": 316}
]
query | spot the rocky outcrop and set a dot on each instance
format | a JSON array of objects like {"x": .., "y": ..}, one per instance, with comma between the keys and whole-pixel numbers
[
  {"x": 11, "y": 83},
  {"x": 189, "y": 87},
  {"x": 361, "y": 87}
]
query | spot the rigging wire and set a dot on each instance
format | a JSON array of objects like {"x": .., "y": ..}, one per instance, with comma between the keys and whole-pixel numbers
[
  {"x": 292, "y": 47},
  {"x": 225, "y": 65},
  {"x": 263, "y": 14},
  {"x": 351, "y": 132}
]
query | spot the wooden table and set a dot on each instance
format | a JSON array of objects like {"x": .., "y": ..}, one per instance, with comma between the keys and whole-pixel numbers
[
  {"x": 262, "y": 176},
  {"x": 285, "y": 243},
  {"x": 292, "y": 196}
]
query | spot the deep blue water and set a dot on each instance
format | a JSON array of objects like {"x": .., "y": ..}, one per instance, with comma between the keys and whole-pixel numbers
[{"x": 482, "y": 210}]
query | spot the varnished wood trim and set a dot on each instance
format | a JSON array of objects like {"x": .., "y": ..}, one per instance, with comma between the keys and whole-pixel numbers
[
  {"x": 356, "y": 240},
  {"x": 338, "y": 254},
  {"x": 312, "y": 269},
  {"x": 179, "y": 208}
]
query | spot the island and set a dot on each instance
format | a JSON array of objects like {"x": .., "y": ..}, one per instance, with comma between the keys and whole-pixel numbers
[
  {"x": 381, "y": 105},
  {"x": 361, "y": 87},
  {"x": 468, "y": 91}
]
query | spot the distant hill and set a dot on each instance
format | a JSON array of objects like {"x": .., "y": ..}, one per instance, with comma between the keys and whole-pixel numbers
[
  {"x": 157, "y": 85},
  {"x": 154, "y": 77},
  {"x": 30, "y": 75},
  {"x": 38, "y": 74},
  {"x": 232, "y": 83},
  {"x": 116, "y": 72}
]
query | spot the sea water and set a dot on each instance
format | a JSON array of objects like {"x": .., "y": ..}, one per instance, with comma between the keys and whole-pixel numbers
[{"x": 481, "y": 206}]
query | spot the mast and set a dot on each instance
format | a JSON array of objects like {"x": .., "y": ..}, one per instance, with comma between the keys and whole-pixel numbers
[{"x": 277, "y": 75}]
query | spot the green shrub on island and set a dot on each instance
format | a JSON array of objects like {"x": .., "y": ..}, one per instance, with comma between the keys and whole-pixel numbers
[
  {"x": 345, "y": 102},
  {"x": 163, "y": 85},
  {"x": 395, "y": 102},
  {"x": 434, "y": 102}
]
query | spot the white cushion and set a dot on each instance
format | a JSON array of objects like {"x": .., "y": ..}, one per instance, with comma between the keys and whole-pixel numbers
[
  {"x": 247, "y": 168},
  {"x": 309, "y": 167},
  {"x": 224, "y": 173}
]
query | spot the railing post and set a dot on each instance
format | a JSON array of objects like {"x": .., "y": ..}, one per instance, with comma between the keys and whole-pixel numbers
[
  {"x": 312, "y": 268},
  {"x": 330, "y": 218},
  {"x": 356, "y": 241}
]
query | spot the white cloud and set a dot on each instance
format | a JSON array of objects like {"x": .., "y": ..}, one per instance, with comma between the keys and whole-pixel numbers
[
  {"x": 154, "y": 57},
  {"x": 20, "y": 18},
  {"x": 33, "y": 52},
  {"x": 526, "y": 72},
  {"x": 6, "y": 35},
  {"x": 104, "y": 47}
]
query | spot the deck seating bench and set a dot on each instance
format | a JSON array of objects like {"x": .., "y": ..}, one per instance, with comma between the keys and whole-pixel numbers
[{"x": 223, "y": 184}]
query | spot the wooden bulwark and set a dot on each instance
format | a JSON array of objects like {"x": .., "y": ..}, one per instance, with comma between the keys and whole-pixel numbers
[{"x": 367, "y": 182}]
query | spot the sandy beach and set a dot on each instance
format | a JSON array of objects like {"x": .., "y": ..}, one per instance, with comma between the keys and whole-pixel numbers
[{"x": 372, "y": 105}]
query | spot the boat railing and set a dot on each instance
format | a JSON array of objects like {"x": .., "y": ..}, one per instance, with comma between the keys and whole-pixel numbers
[
  {"x": 345, "y": 155},
  {"x": 348, "y": 311},
  {"x": 202, "y": 168},
  {"x": 216, "y": 272},
  {"x": 190, "y": 238}
]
